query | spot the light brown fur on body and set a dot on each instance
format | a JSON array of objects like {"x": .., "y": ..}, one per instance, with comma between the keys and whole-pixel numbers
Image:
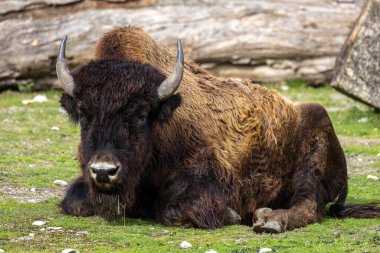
[{"x": 230, "y": 145}]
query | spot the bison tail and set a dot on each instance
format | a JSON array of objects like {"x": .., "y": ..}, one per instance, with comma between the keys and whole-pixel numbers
[
  {"x": 340, "y": 210},
  {"x": 354, "y": 211}
]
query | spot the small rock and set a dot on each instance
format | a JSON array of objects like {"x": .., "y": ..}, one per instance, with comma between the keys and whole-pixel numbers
[
  {"x": 211, "y": 251},
  {"x": 284, "y": 87},
  {"x": 42, "y": 229},
  {"x": 1, "y": 251},
  {"x": 38, "y": 223},
  {"x": 60, "y": 182},
  {"x": 360, "y": 159},
  {"x": 36, "y": 99},
  {"x": 186, "y": 245},
  {"x": 54, "y": 228},
  {"x": 33, "y": 189},
  {"x": 63, "y": 111},
  {"x": 32, "y": 201},
  {"x": 372, "y": 177},
  {"x": 264, "y": 250},
  {"x": 55, "y": 128},
  {"x": 363, "y": 120},
  {"x": 378, "y": 154},
  {"x": 70, "y": 251}
]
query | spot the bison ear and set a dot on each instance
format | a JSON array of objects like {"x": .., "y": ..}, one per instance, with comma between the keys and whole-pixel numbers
[
  {"x": 166, "y": 108},
  {"x": 69, "y": 105}
]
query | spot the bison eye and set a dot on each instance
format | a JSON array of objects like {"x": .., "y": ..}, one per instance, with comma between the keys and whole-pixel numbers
[{"x": 141, "y": 121}]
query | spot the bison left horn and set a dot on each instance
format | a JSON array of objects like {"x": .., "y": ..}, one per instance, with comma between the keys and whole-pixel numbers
[
  {"x": 63, "y": 72},
  {"x": 171, "y": 84}
]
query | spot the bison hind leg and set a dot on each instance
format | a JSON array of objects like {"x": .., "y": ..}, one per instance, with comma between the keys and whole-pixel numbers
[{"x": 76, "y": 201}]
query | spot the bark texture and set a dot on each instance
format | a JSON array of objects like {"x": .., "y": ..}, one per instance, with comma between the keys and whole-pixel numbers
[
  {"x": 358, "y": 65},
  {"x": 272, "y": 40}
]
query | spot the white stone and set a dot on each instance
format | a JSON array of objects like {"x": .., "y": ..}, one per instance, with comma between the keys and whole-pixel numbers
[
  {"x": 36, "y": 99},
  {"x": 211, "y": 251},
  {"x": 54, "y": 228},
  {"x": 360, "y": 159},
  {"x": 70, "y": 251},
  {"x": 38, "y": 223},
  {"x": 33, "y": 189},
  {"x": 55, "y": 128},
  {"x": 264, "y": 250},
  {"x": 1, "y": 251},
  {"x": 60, "y": 182},
  {"x": 40, "y": 99},
  {"x": 284, "y": 87},
  {"x": 372, "y": 177},
  {"x": 363, "y": 120},
  {"x": 186, "y": 245}
]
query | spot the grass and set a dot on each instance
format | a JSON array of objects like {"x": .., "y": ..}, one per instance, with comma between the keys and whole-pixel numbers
[{"x": 34, "y": 155}]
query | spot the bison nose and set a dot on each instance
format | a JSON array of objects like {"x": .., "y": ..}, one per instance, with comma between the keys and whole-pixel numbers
[{"x": 104, "y": 172}]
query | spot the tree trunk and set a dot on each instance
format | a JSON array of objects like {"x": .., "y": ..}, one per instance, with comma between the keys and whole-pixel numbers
[
  {"x": 266, "y": 41},
  {"x": 358, "y": 65}
]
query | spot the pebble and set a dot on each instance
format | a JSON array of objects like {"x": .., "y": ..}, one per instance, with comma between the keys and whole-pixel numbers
[
  {"x": 284, "y": 87},
  {"x": 36, "y": 99},
  {"x": 69, "y": 251},
  {"x": 60, "y": 182},
  {"x": 1, "y": 251},
  {"x": 186, "y": 245},
  {"x": 264, "y": 250},
  {"x": 38, "y": 223},
  {"x": 372, "y": 177},
  {"x": 33, "y": 189},
  {"x": 54, "y": 228},
  {"x": 362, "y": 120},
  {"x": 211, "y": 251},
  {"x": 55, "y": 128}
]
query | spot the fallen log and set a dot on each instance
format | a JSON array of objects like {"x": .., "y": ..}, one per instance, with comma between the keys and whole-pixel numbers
[
  {"x": 266, "y": 41},
  {"x": 358, "y": 65}
]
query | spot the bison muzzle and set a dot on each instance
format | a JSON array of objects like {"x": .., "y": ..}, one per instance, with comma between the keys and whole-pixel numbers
[{"x": 189, "y": 149}]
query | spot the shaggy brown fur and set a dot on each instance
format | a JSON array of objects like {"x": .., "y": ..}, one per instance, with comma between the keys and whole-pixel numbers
[{"x": 216, "y": 146}]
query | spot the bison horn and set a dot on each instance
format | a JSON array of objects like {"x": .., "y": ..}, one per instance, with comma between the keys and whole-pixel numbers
[
  {"x": 63, "y": 72},
  {"x": 170, "y": 84}
]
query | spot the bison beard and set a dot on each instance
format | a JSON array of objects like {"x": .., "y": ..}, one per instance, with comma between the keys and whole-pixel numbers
[{"x": 218, "y": 152}]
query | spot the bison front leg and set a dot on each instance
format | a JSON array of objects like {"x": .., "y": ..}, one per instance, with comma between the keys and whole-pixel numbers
[
  {"x": 76, "y": 201},
  {"x": 193, "y": 200},
  {"x": 280, "y": 220}
]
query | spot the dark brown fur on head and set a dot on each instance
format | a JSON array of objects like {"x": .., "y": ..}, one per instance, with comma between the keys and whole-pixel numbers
[{"x": 116, "y": 102}]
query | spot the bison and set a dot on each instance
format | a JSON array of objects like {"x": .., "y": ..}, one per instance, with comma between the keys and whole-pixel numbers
[{"x": 190, "y": 149}]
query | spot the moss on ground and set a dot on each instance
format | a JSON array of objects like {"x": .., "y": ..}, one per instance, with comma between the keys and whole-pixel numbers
[{"x": 34, "y": 155}]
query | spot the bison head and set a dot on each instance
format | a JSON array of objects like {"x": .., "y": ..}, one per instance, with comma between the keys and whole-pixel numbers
[{"x": 116, "y": 102}]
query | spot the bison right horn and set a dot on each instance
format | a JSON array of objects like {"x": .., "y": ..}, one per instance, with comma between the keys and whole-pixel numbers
[
  {"x": 63, "y": 72},
  {"x": 171, "y": 84}
]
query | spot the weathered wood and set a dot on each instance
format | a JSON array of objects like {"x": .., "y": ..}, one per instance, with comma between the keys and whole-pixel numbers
[
  {"x": 262, "y": 40},
  {"x": 358, "y": 65}
]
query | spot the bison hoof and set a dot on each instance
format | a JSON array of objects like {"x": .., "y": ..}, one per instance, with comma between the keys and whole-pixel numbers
[
  {"x": 266, "y": 226},
  {"x": 262, "y": 212},
  {"x": 233, "y": 217}
]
